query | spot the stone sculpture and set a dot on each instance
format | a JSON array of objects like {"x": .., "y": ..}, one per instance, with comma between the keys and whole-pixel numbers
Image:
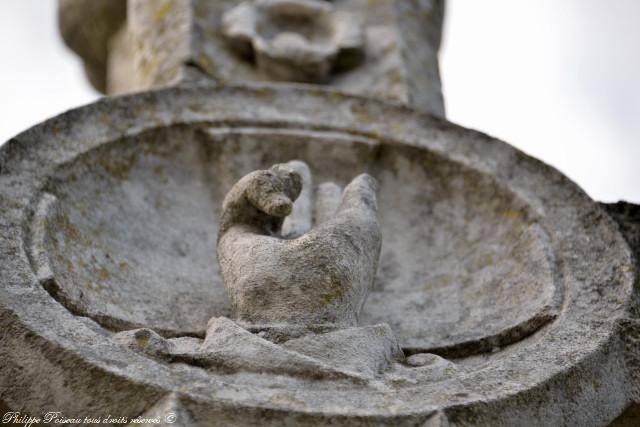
[
  {"x": 318, "y": 280},
  {"x": 301, "y": 296},
  {"x": 386, "y": 49},
  {"x": 295, "y": 40},
  {"x": 504, "y": 295}
]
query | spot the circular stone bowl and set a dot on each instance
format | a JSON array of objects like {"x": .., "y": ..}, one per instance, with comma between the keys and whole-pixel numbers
[
  {"x": 109, "y": 220},
  {"x": 129, "y": 230}
]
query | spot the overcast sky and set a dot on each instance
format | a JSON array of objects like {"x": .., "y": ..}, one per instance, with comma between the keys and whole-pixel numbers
[{"x": 559, "y": 79}]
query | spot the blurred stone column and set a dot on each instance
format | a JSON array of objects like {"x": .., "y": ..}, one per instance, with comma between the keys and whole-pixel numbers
[{"x": 384, "y": 48}]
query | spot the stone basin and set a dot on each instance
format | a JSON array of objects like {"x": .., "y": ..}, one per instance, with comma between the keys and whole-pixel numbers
[
  {"x": 108, "y": 220},
  {"x": 125, "y": 233}
]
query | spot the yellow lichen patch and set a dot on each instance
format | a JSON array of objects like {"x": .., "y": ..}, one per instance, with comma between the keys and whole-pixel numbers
[
  {"x": 142, "y": 340},
  {"x": 148, "y": 66},
  {"x": 119, "y": 167},
  {"x": 264, "y": 94},
  {"x": 104, "y": 119},
  {"x": 395, "y": 76},
  {"x": 63, "y": 224},
  {"x": 206, "y": 62},
  {"x": 158, "y": 170},
  {"x": 360, "y": 113},
  {"x": 56, "y": 128},
  {"x": 376, "y": 3},
  {"x": 481, "y": 261},
  {"x": 201, "y": 109},
  {"x": 395, "y": 128},
  {"x": 513, "y": 215},
  {"x": 69, "y": 266},
  {"x": 283, "y": 399},
  {"x": 438, "y": 282},
  {"x": 336, "y": 97},
  {"x": 103, "y": 274},
  {"x": 334, "y": 293},
  {"x": 163, "y": 10},
  {"x": 160, "y": 203}
]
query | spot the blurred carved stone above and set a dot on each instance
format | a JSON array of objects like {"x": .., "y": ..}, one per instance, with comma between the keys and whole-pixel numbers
[
  {"x": 386, "y": 49},
  {"x": 87, "y": 27},
  {"x": 295, "y": 40}
]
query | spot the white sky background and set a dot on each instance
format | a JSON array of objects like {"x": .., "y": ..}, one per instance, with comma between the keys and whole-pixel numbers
[{"x": 559, "y": 79}]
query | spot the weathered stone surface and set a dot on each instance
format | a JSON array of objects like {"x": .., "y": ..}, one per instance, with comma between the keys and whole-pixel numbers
[
  {"x": 329, "y": 195},
  {"x": 146, "y": 341},
  {"x": 386, "y": 49},
  {"x": 141, "y": 178},
  {"x": 87, "y": 27},
  {"x": 627, "y": 216},
  {"x": 295, "y": 40},
  {"x": 108, "y": 224},
  {"x": 97, "y": 266},
  {"x": 357, "y": 354},
  {"x": 423, "y": 359},
  {"x": 169, "y": 411},
  {"x": 322, "y": 277},
  {"x": 185, "y": 173},
  {"x": 423, "y": 368},
  {"x": 228, "y": 346},
  {"x": 368, "y": 350},
  {"x": 300, "y": 220}
]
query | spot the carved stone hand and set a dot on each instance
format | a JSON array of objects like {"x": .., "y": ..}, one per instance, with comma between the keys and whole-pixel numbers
[{"x": 319, "y": 279}]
